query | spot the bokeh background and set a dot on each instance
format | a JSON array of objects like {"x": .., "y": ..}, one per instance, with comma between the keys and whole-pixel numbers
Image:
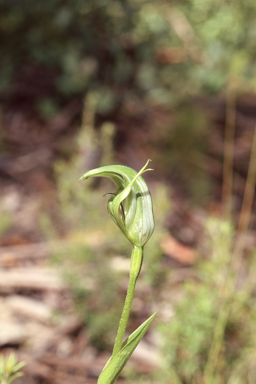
[{"x": 95, "y": 82}]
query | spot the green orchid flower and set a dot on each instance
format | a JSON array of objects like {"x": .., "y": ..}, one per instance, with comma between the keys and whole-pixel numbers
[{"x": 130, "y": 206}]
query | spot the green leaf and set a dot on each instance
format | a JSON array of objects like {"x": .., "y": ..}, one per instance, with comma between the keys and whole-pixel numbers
[{"x": 115, "y": 365}]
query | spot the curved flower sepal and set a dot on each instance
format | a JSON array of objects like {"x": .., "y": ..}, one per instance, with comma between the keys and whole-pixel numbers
[{"x": 130, "y": 206}]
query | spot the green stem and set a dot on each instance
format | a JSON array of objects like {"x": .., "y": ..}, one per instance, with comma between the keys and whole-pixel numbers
[{"x": 136, "y": 262}]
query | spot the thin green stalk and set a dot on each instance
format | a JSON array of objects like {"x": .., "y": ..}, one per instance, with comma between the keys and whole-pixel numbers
[{"x": 136, "y": 262}]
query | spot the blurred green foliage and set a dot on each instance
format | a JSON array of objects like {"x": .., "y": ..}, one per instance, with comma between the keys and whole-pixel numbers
[
  {"x": 164, "y": 51},
  {"x": 9, "y": 368},
  {"x": 188, "y": 336}
]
